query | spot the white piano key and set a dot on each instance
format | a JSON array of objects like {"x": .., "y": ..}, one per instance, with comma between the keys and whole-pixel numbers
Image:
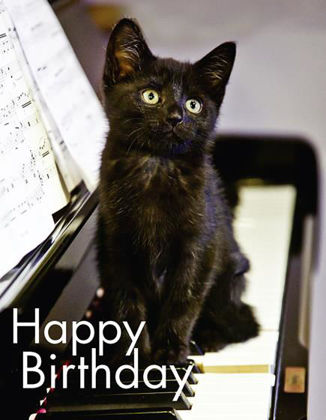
[
  {"x": 236, "y": 380},
  {"x": 257, "y": 353},
  {"x": 263, "y": 225},
  {"x": 223, "y": 396}
]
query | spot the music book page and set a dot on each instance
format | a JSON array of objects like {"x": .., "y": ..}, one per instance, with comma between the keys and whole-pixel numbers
[
  {"x": 65, "y": 89},
  {"x": 30, "y": 187},
  {"x": 66, "y": 164},
  {"x": 50, "y": 119}
]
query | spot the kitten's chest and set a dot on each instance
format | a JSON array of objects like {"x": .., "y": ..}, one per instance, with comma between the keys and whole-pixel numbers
[
  {"x": 152, "y": 183},
  {"x": 157, "y": 174},
  {"x": 156, "y": 195}
]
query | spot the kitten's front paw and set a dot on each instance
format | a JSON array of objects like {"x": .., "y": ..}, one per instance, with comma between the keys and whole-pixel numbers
[
  {"x": 241, "y": 324},
  {"x": 210, "y": 340},
  {"x": 169, "y": 348},
  {"x": 236, "y": 324},
  {"x": 171, "y": 355}
]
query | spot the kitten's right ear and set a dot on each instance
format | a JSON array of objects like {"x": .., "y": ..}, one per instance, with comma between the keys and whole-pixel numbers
[
  {"x": 215, "y": 68},
  {"x": 126, "y": 52}
]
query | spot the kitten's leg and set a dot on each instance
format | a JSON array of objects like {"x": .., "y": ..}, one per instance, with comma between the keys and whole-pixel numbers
[
  {"x": 187, "y": 283},
  {"x": 225, "y": 318},
  {"x": 125, "y": 303},
  {"x": 122, "y": 300},
  {"x": 121, "y": 277}
]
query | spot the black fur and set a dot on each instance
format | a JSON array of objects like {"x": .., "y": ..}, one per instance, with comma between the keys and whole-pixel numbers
[{"x": 166, "y": 249}]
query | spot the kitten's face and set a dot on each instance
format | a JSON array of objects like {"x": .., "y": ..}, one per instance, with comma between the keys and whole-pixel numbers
[{"x": 162, "y": 106}]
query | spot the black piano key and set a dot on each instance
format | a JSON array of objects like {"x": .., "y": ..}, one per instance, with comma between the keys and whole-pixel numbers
[
  {"x": 195, "y": 368},
  {"x": 192, "y": 380},
  {"x": 92, "y": 403},
  {"x": 120, "y": 415},
  {"x": 195, "y": 349}
]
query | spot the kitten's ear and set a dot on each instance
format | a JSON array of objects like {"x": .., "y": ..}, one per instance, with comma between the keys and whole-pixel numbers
[
  {"x": 215, "y": 68},
  {"x": 126, "y": 52}
]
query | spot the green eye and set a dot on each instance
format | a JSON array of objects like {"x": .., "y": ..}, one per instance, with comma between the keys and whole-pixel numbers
[
  {"x": 150, "y": 96},
  {"x": 194, "y": 106}
]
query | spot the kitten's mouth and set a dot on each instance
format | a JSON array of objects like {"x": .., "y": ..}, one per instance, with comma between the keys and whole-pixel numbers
[{"x": 172, "y": 132}]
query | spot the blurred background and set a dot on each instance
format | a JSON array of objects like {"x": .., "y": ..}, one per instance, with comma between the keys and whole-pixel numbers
[{"x": 278, "y": 85}]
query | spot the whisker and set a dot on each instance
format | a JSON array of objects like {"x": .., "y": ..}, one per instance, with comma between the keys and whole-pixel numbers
[
  {"x": 135, "y": 139},
  {"x": 128, "y": 120},
  {"x": 134, "y": 131}
]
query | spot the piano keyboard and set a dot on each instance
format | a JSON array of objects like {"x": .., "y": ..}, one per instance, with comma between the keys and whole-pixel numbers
[{"x": 237, "y": 381}]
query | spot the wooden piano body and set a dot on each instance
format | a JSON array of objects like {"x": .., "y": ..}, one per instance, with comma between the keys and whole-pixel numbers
[{"x": 60, "y": 277}]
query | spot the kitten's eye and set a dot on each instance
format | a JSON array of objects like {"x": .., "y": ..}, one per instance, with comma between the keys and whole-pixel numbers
[
  {"x": 194, "y": 106},
  {"x": 150, "y": 96}
]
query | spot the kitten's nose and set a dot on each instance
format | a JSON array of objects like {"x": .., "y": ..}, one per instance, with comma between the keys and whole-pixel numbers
[{"x": 175, "y": 117}]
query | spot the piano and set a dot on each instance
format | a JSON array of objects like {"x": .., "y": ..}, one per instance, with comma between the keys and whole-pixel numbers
[{"x": 272, "y": 186}]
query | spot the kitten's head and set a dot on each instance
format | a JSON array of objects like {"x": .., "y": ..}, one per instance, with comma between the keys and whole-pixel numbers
[{"x": 162, "y": 106}]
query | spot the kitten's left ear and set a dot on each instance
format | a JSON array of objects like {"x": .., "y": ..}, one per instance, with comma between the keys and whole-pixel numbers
[
  {"x": 215, "y": 68},
  {"x": 126, "y": 52}
]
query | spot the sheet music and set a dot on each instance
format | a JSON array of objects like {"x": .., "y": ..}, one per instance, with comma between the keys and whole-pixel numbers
[
  {"x": 71, "y": 100},
  {"x": 21, "y": 117},
  {"x": 65, "y": 162},
  {"x": 63, "y": 158},
  {"x": 66, "y": 165},
  {"x": 30, "y": 187}
]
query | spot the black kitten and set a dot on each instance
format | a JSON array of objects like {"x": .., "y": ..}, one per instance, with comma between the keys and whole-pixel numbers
[{"x": 166, "y": 249}]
